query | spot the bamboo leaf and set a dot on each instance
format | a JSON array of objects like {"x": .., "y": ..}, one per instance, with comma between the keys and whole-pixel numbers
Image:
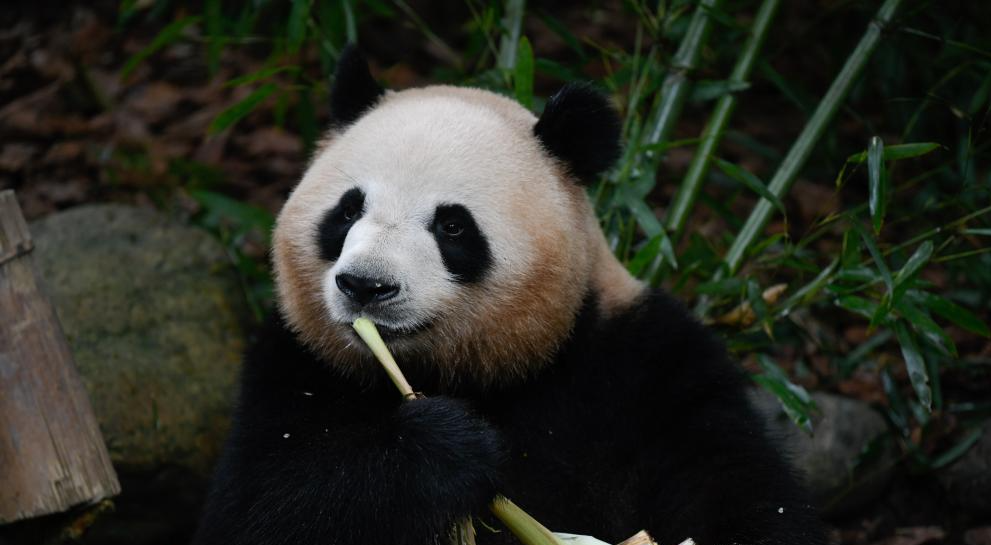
[
  {"x": 242, "y": 108},
  {"x": 877, "y": 177},
  {"x": 214, "y": 33},
  {"x": 296, "y": 32},
  {"x": 726, "y": 286},
  {"x": 858, "y": 305},
  {"x": 259, "y": 75},
  {"x": 555, "y": 70},
  {"x": 808, "y": 291},
  {"x": 169, "y": 34},
  {"x": 644, "y": 256},
  {"x": 851, "y": 249},
  {"x": 219, "y": 209},
  {"x": 876, "y": 254},
  {"x": 914, "y": 363},
  {"x": 956, "y": 451},
  {"x": 562, "y": 31},
  {"x": 794, "y": 399},
  {"x": 847, "y": 364},
  {"x": 752, "y": 182},
  {"x": 644, "y": 215},
  {"x": 662, "y": 147},
  {"x": 858, "y": 275},
  {"x": 923, "y": 323},
  {"x": 756, "y": 301},
  {"x": 954, "y": 313},
  {"x": 897, "y": 152},
  {"x": 912, "y": 266},
  {"x": 667, "y": 249},
  {"x": 523, "y": 74},
  {"x": 908, "y": 151},
  {"x": 706, "y": 90}
]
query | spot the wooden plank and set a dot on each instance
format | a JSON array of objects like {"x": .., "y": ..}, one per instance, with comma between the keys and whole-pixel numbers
[{"x": 52, "y": 455}]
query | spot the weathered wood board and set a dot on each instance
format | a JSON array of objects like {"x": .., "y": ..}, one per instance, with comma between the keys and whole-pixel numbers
[{"x": 52, "y": 455}]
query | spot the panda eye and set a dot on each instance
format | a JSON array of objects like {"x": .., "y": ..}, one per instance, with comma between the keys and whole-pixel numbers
[
  {"x": 452, "y": 228},
  {"x": 350, "y": 212}
]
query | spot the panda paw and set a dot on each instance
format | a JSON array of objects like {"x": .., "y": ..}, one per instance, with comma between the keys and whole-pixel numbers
[{"x": 460, "y": 450}]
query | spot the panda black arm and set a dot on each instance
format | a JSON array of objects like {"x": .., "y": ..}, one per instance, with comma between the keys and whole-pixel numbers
[
  {"x": 730, "y": 485},
  {"x": 707, "y": 468},
  {"x": 312, "y": 460}
]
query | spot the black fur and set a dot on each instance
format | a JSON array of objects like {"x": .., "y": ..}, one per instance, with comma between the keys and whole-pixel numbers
[
  {"x": 641, "y": 422},
  {"x": 354, "y": 91},
  {"x": 466, "y": 254},
  {"x": 336, "y": 223},
  {"x": 582, "y": 129}
]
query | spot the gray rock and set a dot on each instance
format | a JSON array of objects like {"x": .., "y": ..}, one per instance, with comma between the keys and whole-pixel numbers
[
  {"x": 153, "y": 313},
  {"x": 828, "y": 459},
  {"x": 968, "y": 481}
]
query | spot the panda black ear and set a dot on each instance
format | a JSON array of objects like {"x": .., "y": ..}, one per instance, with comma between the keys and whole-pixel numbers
[
  {"x": 581, "y": 128},
  {"x": 354, "y": 91}
]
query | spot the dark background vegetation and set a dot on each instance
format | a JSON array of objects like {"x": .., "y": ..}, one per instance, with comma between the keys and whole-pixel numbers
[{"x": 208, "y": 111}]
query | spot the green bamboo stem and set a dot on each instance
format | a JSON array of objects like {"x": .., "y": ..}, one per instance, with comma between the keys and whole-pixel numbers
[
  {"x": 684, "y": 200},
  {"x": 512, "y": 22},
  {"x": 800, "y": 151},
  {"x": 676, "y": 83},
  {"x": 674, "y": 89},
  {"x": 525, "y": 527}
]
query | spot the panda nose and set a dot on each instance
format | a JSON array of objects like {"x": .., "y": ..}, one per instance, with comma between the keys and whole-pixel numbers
[{"x": 365, "y": 290}]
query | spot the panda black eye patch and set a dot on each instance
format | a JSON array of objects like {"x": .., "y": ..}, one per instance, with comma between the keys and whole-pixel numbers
[
  {"x": 336, "y": 223},
  {"x": 463, "y": 247}
]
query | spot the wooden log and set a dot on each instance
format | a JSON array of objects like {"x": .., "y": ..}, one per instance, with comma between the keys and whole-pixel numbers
[{"x": 52, "y": 455}]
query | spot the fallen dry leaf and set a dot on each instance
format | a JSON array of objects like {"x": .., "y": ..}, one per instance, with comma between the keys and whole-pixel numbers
[
  {"x": 14, "y": 157},
  {"x": 63, "y": 152},
  {"x": 743, "y": 315},
  {"x": 154, "y": 102}
]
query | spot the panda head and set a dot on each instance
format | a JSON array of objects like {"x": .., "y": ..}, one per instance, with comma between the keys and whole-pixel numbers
[{"x": 455, "y": 220}]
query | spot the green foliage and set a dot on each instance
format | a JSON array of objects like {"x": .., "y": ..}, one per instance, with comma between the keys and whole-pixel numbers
[
  {"x": 902, "y": 259},
  {"x": 233, "y": 222},
  {"x": 523, "y": 73},
  {"x": 795, "y": 400},
  {"x": 242, "y": 108},
  {"x": 170, "y": 34}
]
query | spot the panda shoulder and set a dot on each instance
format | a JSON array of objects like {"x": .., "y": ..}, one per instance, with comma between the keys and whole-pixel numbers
[
  {"x": 275, "y": 359},
  {"x": 659, "y": 339}
]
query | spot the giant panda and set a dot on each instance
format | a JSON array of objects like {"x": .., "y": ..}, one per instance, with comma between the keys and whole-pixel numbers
[{"x": 458, "y": 222}]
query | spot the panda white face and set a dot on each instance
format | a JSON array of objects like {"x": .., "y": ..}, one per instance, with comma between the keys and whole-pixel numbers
[
  {"x": 433, "y": 209},
  {"x": 423, "y": 194},
  {"x": 448, "y": 217}
]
